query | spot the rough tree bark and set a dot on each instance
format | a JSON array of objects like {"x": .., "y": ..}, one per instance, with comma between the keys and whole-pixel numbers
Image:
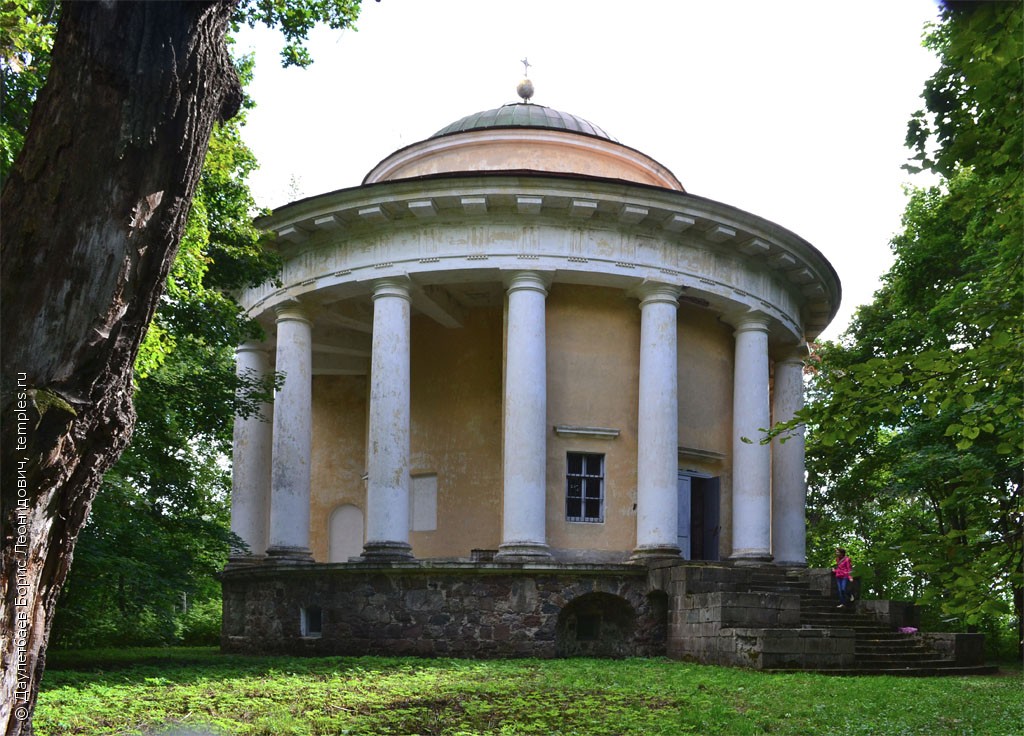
[{"x": 92, "y": 214}]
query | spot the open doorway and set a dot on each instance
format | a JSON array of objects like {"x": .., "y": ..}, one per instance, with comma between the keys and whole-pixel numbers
[{"x": 699, "y": 507}]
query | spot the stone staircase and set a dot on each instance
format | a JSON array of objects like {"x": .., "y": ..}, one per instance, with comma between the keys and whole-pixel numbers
[{"x": 879, "y": 649}]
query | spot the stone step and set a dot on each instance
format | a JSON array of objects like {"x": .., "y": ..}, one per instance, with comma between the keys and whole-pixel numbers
[
  {"x": 801, "y": 588},
  {"x": 774, "y": 580},
  {"x": 918, "y": 659},
  {"x": 822, "y": 622},
  {"x": 823, "y": 604},
  {"x": 889, "y": 647},
  {"x": 837, "y": 614},
  {"x": 949, "y": 670},
  {"x": 862, "y": 627},
  {"x": 878, "y": 649}
]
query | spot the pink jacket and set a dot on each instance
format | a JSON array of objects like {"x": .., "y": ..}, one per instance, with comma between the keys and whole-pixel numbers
[{"x": 844, "y": 569}]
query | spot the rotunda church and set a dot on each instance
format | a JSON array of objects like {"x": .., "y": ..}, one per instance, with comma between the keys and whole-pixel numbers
[{"x": 524, "y": 375}]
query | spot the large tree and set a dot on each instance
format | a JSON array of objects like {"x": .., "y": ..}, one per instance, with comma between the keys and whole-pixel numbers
[
  {"x": 916, "y": 415},
  {"x": 94, "y": 208},
  {"x": 157, "y": 535}
]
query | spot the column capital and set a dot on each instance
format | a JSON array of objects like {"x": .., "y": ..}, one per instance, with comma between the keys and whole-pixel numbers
[
  {"x": 394, "y": 287},
  {"x": 292, "y": 311},
  {"x": 526, "y": 281},
  {"x": 252, "y": 346},
  {"x": 793, "y": 354},
  {"x": 654, "y": 292},
  {"x": 749, "y": 322}
]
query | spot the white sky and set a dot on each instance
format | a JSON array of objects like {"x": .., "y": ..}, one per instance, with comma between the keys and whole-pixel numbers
[{"x": 794, "y": 110}]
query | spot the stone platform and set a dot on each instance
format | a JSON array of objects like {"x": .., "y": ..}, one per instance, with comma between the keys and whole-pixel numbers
[
  {"x": 465, "y": 609},
  {"x": 758, "y": 617}
]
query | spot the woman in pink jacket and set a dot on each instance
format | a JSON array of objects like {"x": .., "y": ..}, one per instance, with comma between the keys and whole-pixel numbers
[{"x": 844, "y": 574}]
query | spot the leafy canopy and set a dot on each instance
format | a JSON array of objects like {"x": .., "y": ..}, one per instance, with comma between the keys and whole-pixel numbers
[{"x": 916, "y": 417}]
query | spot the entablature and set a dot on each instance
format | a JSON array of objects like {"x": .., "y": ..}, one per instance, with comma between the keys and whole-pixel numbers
[{"x": 585, "y": 230}]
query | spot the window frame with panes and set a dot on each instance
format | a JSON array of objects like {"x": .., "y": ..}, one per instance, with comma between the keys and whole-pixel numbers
[{"x": 584, "y": 487}]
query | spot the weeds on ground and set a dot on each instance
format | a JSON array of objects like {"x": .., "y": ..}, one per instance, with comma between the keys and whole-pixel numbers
[{"x": 151, "y": 691}]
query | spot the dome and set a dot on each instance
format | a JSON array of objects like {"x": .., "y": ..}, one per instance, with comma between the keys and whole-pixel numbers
[
  {"x": 523, "y": 115},
  {"x": 519, "y": 137}
]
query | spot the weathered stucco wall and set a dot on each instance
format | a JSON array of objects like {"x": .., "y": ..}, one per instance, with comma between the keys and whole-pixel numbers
[
  {"x": 456, "y": 430},
  {"x": 593, "y": 362},
  {"x": 593, "y": 336},
  {"x": 706, "y": 353},
  {"x": 338, "y": 454}
]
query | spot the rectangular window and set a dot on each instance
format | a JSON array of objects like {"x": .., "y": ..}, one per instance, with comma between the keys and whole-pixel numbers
[
  {"x": 584, "y": 487},
  {"x": 310, "y": 621}
]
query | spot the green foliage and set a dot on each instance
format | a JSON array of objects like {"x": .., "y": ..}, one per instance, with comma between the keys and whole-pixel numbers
[
  {"x": 296, "y": 19},
  {"x": 125, "y": 692},
  {"x": 916, "y": 418},
  {"x": 26, "y": 36}
]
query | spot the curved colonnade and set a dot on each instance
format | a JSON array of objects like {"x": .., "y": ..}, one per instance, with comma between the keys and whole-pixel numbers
[{"x": 359, "y": 262}]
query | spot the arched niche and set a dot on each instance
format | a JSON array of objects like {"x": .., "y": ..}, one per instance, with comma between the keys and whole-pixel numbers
[{"x": 345, "y": 533}]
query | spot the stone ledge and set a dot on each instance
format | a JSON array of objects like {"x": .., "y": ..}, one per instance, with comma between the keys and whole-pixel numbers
[{"x": 427, "y": 567}]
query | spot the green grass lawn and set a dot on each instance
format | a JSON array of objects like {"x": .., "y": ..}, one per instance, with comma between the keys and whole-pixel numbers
[{"x": 167, "y": 690}]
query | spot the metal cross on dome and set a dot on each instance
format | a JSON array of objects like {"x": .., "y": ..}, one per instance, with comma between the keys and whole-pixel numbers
[{"x": 526, "y": 66}]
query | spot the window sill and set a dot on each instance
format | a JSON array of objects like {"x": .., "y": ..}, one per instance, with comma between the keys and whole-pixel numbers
[{"x": 602, "y": 433}]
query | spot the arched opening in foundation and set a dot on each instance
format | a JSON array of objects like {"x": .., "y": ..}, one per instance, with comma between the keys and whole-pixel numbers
[{"x": 595, "y": 625}]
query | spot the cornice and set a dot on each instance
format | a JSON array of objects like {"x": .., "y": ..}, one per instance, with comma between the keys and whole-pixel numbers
[{"x": 569, "y": 202}]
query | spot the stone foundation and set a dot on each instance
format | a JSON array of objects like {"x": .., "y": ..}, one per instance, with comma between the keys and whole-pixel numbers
[
  {"x": 444, "y": 609},
  {"x": 709, "y": 612}
]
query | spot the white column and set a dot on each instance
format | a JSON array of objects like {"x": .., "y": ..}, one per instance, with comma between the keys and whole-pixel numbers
[
  {"x": 657, "y": 469},
  {"x": 789, "y": 489},
  {"x": 525, "y": 428},
  {"x": 387, "y": 487},
  {"x": 293, "y": 406},
  {"x": 250, "y": 474},
  {"x": 751, "y": 461}
]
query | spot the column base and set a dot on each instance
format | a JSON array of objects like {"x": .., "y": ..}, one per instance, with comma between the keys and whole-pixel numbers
[
  {"x": 753, "y": 558},
  {"x": 523, "y": 552},
  {"x": 785, "y": 563},
  {"x": 287, "y": 555},
  {"x": 387, "y": 552},
  {"x": 237, "y": 561},
  {"x": 652, "y": 552}
]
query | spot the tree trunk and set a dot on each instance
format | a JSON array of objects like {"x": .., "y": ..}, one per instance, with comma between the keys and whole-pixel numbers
[{"x": 92, "y": 214}]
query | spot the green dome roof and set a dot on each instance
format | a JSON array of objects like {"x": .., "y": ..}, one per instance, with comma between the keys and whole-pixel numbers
[{"x": 523, "y": 115}]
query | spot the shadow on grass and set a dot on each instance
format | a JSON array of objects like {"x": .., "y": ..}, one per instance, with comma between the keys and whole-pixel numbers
[{"x": 191, "y": 665}]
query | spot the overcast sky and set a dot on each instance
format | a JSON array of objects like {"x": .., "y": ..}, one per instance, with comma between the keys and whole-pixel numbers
[{"x": 794, "y": 110}]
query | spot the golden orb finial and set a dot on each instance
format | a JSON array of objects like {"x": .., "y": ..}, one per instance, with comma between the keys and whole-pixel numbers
[{"x": 525, "y": 88}]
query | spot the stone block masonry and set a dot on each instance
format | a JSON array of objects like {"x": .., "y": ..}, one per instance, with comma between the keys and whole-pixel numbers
[
  {"x": 715, "y": 621},
  {"x": 439, "y": 609},
  {"x": 708, "y": 612}
]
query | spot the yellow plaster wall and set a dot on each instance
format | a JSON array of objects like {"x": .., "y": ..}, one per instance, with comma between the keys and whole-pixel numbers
[
  {"x": 338, "y": 453},
  {"x": 706, "y": 351},
  {"x": 593, "y": 363},
  {"x": 593, "y": 337},
  {"x": 456, "y": 419}
]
